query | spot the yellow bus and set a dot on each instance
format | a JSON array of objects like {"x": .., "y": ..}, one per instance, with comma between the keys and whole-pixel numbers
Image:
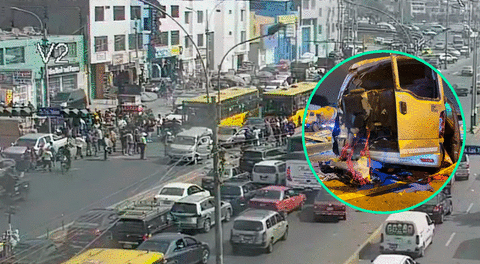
[
  {"x": 237, "y": 103},
  {"x": 289, "y": 102},
  {"x": 117, "y": 256}
]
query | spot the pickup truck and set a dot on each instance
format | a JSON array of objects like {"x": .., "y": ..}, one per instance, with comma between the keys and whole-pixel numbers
[
  {"x": 230, "y": 172},
  {"x": 37, "y": 141}
]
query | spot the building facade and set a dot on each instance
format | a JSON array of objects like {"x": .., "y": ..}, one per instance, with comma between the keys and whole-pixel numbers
[{"x": 22, "y": 65}]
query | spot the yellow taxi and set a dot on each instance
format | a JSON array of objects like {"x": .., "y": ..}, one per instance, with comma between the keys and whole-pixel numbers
[
  {"x": 397, "y": 105},
  {"x": 117, "y": 256}
]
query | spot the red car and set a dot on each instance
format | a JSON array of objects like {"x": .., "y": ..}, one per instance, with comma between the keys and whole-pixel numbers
[
  {"x": 278, "y": 198},
  {"x": 325, "y": 205}
]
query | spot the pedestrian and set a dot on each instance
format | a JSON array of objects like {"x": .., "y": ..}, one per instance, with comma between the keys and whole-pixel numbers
[
  {"x": 158, "y": 124},
  {"x": 137, "y": 136},
  {"x": 113, "y": 138},
  {"x": 130, "y": 143},
  {"x": 123, "y": 141},
  {"x": 143, "y": 145},
  {"x": 47, "y": 157},
  {"x": 79, "y": 143}
]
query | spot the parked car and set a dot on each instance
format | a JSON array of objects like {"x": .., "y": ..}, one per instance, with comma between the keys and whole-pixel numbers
[
  {"x": 238, "y": 193},
  {"x": 439, "y": 45},
  {"x": 197, "y": 213},
  {"x": 453, "y": 52},
  {"x": 172, "y": 192},
  {"x": 464, "y": 51},
  {"x": 394, "y": 132},
  {"x": 229, "y": 172},
  {"x": 278, "y": 198},
  {"x": 467, "y": 71},
  {"x": 407, "y": 232},
  {"x": 462, "y": 91},
  {"x": 429, "y": 33},
  {"x": 225, "y": 133},
  {"x": 38, "y": 251},
  {"x": 393, "y": 259},
  {"x": 252, "y": 155},
  {"x": 325, "y": 205},
  {"x": 271, "y": 172},
  {"x": 258, "y": 229},
  {"x": 178, "y": 248},
  {"x": 91, "y": 227},
  {"x": 437, "y": 207},
  {"x": 36, "y": 141},
  {"x": 463, "y": 170}
]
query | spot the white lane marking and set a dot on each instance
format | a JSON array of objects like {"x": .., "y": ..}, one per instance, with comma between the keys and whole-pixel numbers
[
  {"x": 450, "y": 239},
  {"x": 469, "y": 207}
]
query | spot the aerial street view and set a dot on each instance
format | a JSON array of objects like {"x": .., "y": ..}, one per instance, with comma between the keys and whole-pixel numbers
[{"x": 235, "y": 131}]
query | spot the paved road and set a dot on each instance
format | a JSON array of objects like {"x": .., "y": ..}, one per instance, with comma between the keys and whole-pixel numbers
[{"x": 92, "y": 183}]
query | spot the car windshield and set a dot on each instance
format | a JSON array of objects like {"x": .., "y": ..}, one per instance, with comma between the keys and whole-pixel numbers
[
  {"x": 324, "y": 196},
  {"x": 230, "y": 190},
  {"x": 226, "y": 131},
  {"x": 26, "y": 142},
  {"x": 269, "y": 194},
  {"x": 252, "y": 154},
  {"x": 130, "y": 225},
  {"x": 184, "y": 208},
  {"x": 264, "y": 169},
  {"x": 246, "y": 225},
  {"x": 172, "y": 191},
  {"x": 433, "y": 201},
  {"x": 155, "y": 245},
  {"x": 464, "y": 158},
  {"x": 182, "y": 140}
]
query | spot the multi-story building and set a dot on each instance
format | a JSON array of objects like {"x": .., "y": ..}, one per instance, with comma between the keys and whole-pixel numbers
[
  {"x": 22, "y": 62},
  {"x": 117, "y": 53}
]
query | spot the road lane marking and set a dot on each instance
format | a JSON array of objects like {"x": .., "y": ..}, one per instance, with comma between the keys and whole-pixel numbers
[
  {"x": 450, "y": 239},
  {"x": 469, "y": 207}
]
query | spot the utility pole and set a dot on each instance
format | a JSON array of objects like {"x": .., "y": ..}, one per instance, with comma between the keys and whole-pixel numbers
[
  {"x": 474, "y": 85},
  {"x": 446, "y": 36}
]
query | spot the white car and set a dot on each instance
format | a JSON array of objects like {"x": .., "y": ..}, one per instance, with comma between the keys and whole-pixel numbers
[
  {"x": 172, "y": 192},
  {"x": 454, "y": 52},
  {"x": 450, "y": 58},
  {"x": 467, "y": 71},
  {"x": 393, "y": 259},
  {"x": 429, "y": 33}
]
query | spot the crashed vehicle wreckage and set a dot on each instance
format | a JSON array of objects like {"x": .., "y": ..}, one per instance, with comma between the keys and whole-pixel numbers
[{"x": 393, "y": 118}]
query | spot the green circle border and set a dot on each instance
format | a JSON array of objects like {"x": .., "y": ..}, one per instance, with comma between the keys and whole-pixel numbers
[{"x": 388, "y": 52}]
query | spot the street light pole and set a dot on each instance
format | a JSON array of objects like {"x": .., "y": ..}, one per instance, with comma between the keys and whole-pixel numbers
[
  {"x": 218, "y": 215},
  {"x": 43, "y": 28},
  {"x": 473, "y": 120},
  {"x": 446, "y": 36}
]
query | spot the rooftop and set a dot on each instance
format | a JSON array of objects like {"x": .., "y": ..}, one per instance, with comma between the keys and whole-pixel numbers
[
  {"x": 294, "y": 89},
  {"x": 224, "y": 94}
]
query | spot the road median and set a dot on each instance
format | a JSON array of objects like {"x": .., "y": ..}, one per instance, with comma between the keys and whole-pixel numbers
[{"x": 372, "y": 239}]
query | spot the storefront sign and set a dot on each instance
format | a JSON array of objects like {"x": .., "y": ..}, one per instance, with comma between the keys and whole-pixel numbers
[
  {"x": 162, "y": 52},
  {"x": 47, "y": 111},
  {"x": 176, "y": 50},
  {"x": 62, "y": 69},
  {"x": 287, "y": 19},
  {"x": 15, "y": 77},
  {"x": 8, "y": 96}
]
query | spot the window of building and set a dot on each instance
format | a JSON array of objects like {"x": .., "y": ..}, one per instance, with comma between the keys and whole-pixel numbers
[
  {"x": 319, "y": 12},
  {"x": 161, "y": 14},
  {"x": 135, "y": 12},
  {"x": 319, "y": 29},
  {"x": 243, "y": 35},
  {"x": 230, "y": 12},
  {"x": 101, "y": 43},
  {"x": 187, "y": 42},
  {"x": 187, "y": 17},
  {"x": 72, "y": 49},
  {"x": 333, "y": 27},
  {"x": 306, "y": 4},
  {"x": 99, "y": 13},
  {"x": 119, "y": 42},
  {"x": 200, "y": 40},
  {"x": 146, "y": 24},
  {"x": 1, "y": 56},
  {"x": 312, "y": 5},
  {"x": 199, "y": 16},
  {"x": 118, "y": 13},
  {"x": 242, "y": 15},
  {"x": 15, "y": 55},
  {"x": 175, "y": 11},
  {"x": 163, "y": 38},
  {"x": 131, "y": 41},
  {"x": 175, "y": 37}
]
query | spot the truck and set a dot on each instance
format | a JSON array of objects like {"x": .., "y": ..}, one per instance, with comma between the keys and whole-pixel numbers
[
  {"x": 36, "y": 141},
  {"x": 299, "y": 174}
]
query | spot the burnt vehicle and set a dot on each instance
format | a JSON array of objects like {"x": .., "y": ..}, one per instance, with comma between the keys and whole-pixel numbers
[
  {"x": 396, "y": 106},
  {"x": 12, "y": 185}
]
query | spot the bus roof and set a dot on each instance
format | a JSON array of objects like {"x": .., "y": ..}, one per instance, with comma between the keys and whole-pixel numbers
[
  {"x": 364, "y": 64},
  {"x": 224, "y": 94},
  {"x": 116, "y": 256},
  {"x": 294, "y": 89}
]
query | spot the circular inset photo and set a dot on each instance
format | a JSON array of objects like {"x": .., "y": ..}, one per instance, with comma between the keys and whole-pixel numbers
[{"x": 383, "y": 133}]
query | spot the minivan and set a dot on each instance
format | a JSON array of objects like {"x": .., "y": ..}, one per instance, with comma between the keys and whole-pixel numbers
[
  {"x": 271, "y": 172},
  {"x": 463, "y": 170},
  {"x": 70, "y": 98},
  {"x": 191, "y": 145},
  {"x": 379, "y": 103},
  {"x": 407, "y": 232}
]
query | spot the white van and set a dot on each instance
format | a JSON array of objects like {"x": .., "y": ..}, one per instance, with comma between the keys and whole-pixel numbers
[
  {"x": 271, "y": 172},
  {"x": 300, "y": 176},
  {"x": 191, "y": 145},
  {"x": 407, "y": 232}
]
